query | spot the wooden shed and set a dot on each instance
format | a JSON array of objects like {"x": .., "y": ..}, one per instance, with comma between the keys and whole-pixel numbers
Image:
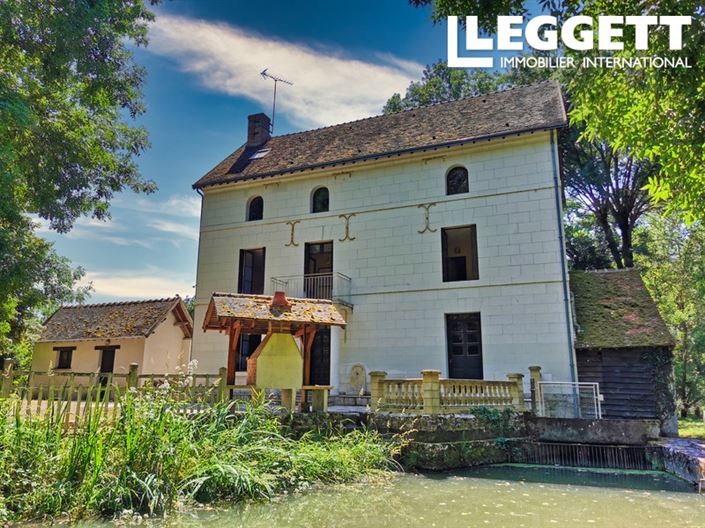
[{"x": 623, "y": 344}]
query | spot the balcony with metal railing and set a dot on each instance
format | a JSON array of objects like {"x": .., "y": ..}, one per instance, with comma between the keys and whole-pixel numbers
[{"x": 334, "y": 286}]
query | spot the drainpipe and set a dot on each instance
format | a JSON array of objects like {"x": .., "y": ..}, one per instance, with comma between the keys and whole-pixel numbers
[
  {"x": 564, "y": 265},
  {"x": 198, "y": 257}
]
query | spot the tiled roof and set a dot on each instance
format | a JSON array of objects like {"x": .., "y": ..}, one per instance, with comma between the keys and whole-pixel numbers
[
  {"x": 522, "y": 109},
  {"x": 615, "y": 310},
  {"x": 113, "y": 320},
  {"x": 257, "y": 309}
]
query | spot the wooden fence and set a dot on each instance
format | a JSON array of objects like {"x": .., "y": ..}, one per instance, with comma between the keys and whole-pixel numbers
[
  {"x": 432, "y": 395},
  {"x": 71, "y": 394}
]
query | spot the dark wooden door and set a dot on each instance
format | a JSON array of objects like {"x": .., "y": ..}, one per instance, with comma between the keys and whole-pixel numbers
[
  {"x": 464, "y": 345},
  {"x": 107, "y": 364},
  {"x": 320, "y": 358},
  {"x": 107, "y": 360}
]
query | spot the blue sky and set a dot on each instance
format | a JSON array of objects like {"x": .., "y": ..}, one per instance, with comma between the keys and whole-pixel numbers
[{"x": 203, "y": 64}]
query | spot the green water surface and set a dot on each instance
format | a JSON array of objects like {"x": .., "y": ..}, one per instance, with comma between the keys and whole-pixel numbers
[{"x": 498, "y": 496}]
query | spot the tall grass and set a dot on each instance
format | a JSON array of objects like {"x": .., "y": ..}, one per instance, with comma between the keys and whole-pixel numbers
[{"x": 151, "y": 459}]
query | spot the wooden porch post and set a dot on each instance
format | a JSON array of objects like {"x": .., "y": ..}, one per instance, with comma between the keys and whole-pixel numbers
[
  {"x": 309, "y": 334},
  {"x": 234, "y": 334}
]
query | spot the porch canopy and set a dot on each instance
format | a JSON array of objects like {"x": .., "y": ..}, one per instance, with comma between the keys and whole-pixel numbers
[{"x": 238, "y": 313}]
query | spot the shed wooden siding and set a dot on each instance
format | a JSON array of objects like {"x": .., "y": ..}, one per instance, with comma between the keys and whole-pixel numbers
[{"x": 626, "y": 380}]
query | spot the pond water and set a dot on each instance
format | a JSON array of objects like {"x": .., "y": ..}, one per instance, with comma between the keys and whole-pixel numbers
[{"x": 497, "y": 496}]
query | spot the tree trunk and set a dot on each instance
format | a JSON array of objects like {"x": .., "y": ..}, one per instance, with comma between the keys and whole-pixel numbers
[
  {"x": 627, "y": 250},
  {"x": 684, "y": 377},
  {"x": 604, "y": 222}
]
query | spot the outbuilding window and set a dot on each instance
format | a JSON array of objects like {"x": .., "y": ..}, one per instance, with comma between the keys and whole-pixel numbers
[
  {"x": 64, "y": 357},
  {"x": 457, "y": 181},
  {"x": 319, "y": 200},
  {"x": 255, "y": 209}
]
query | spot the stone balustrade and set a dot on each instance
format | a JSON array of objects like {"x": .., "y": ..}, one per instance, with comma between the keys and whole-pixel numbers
[{"x": 432, "y": 395}]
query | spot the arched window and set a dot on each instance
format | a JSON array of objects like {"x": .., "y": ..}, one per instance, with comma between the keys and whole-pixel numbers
[
  {"x": 255, "y": 209},
  {"x": 319, "y": 200},
  {"x": 457, "y": 181}
]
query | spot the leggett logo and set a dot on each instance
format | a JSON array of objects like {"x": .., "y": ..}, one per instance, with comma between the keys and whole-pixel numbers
[{"x": 542, "y": 33}]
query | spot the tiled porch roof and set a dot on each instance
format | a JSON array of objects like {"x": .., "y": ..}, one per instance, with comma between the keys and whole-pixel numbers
[{"x": 256, "y": 313}]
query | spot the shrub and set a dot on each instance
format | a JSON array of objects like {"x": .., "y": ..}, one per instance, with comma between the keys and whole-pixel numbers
[{"x": 152, "y": 459}]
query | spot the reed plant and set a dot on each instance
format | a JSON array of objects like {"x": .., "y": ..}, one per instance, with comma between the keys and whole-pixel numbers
[{"x": 151, "y": 457}]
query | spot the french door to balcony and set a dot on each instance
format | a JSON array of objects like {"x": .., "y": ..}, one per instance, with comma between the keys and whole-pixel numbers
[
  {"x": 251, "y": 273},
  {"x": 318, "y": 270}
]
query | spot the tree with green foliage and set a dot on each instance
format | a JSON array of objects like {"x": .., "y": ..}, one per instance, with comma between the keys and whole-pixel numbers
[
  {"x": 673, "y": 268},
  {"x": 653, "y": 113},
  {"x": 68, "y": 88},
  {"x": 440, "y": 83},
  {"x": 585, "y": 243},
  {"x": 608, "y": 184}
]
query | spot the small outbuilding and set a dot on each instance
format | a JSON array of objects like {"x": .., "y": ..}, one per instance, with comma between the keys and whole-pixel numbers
[
  {"x": 623, "y": 344},
  {"x": 155, "y": 334}
]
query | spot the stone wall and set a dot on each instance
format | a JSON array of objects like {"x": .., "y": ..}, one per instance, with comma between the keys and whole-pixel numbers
[
  {"x": 616, "y": 432},
  {"x": 441, "y": 442}
]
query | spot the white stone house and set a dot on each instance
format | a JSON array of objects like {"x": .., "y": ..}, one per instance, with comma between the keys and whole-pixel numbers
[{"x": 436, "y": 231}]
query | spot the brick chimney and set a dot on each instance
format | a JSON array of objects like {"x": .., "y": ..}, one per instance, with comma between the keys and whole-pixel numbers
[
  {"x": 280, "y": 301},
  {"x": 257, "y": 129}
]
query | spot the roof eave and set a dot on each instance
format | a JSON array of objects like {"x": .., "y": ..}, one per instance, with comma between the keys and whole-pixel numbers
[{"x": 101, "y": 338}]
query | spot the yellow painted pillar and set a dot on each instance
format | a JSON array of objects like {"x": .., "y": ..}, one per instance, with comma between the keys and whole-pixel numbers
[
  {"x": 535, "y": 377},
  {"x": 376, "y": 389},
  {"x": 431, "y": 390},
  {"x": 517, "y": 391},
  {"x": 288, "y": 399}
]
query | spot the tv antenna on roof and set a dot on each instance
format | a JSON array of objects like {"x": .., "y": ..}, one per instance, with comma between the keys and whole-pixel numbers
[{"x": 276, "y": 79}]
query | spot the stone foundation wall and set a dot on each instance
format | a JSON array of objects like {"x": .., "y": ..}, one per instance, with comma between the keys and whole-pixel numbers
[
  {"x": 443, "y": 442},
  {"x": 616, "y": 432}
]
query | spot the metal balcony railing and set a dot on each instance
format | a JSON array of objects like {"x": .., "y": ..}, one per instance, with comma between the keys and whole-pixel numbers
[{"x": 334, "y": 286}]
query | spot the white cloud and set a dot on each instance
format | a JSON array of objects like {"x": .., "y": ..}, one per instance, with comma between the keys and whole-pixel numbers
[
  {"x": 80, "y": 233},
  {"x": 177, "y": 205},
  {"x": 328, "y": 87},
  {"x": 85, "y": 222},
  {"x": 183, "y": 230},
  {"x": 138, "y": 284}
]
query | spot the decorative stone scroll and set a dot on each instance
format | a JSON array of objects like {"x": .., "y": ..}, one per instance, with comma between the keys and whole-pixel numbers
[
  {"x": 427, "y": 219},
  {"x": 292, "y": 223},
  {"x": 347, "y": 227}
]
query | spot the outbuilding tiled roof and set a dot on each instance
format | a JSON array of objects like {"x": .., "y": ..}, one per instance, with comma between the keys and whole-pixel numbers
[
  {"x": 257, "y": 310},
  {"x": 114, "y": 320},
  {"x": 615, "y": 310},
  {"x": 522, "y": 109}
]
